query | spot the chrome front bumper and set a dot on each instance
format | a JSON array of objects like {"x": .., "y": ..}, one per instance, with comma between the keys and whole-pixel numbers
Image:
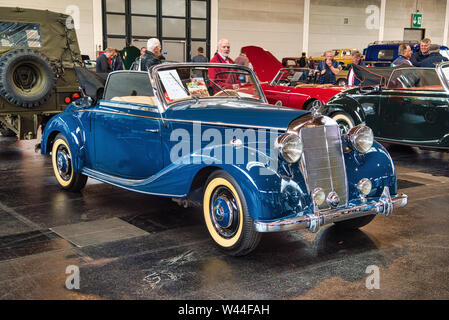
[{"x": 313, "y": 222}]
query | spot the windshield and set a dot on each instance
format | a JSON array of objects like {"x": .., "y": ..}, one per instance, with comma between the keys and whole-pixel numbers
[
  {"x": 16, "y": 34},
  {"x": 445, "y": 71},
  {"x": 291, "y": 77},
  {"x": 199, "y": 82},
  {"x": 415, "y": 79}
]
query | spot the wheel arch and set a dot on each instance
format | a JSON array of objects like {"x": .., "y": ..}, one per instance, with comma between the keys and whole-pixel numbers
[
  {"x": 348, "y": 106},
  {"x": 72, "y": 131}
]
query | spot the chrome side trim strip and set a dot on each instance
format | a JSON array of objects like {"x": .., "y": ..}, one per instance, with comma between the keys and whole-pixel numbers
[
  {"x": 129, "y": 106},
  {"x": 93, "y": 174},
  {"x": 190, "y": 121}
]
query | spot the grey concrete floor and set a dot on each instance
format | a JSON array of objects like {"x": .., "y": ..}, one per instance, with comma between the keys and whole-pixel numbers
[{"x": 143, "y": 247}]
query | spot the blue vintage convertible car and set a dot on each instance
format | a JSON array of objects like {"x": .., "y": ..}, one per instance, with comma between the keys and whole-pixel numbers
[{"x": 204, "y": 134}]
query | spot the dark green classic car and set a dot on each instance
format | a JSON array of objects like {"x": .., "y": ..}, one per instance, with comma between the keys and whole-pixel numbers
[{"x": 402, "y": 105}]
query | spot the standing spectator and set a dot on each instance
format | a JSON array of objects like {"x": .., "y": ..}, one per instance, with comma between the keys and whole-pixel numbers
[
  {"x": 302, "y": 62},
  {"x": 200, "y": 56},
  {"x": 117, "y": 62},
  {"x": 405, "y": 52},
  {"x": 222, "y": 56},
  {"x": 423, "y": 52},
  {"x": 102, "y": 63},
  {"x": 352, "y": 80},
  {"x": 311, "y": 64},
  {"x": 153, "y": 55},
  {"x": 328, "y": 68},
  {"x": 433, "y": 58},
  {"x": 242, "y": 59},
  {"x": 136, "y": 64}
]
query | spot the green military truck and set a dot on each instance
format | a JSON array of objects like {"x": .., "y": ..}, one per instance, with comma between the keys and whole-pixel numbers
[{"x": 38, "y": 52}]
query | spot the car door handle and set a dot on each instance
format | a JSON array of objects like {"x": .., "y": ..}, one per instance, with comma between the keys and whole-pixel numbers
[{"x": 152, "y": 130}]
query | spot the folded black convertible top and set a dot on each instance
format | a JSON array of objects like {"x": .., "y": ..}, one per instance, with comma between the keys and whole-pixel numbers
[
  {"x": 92, "y": 83},
  {"x": 372, "y": 76}
]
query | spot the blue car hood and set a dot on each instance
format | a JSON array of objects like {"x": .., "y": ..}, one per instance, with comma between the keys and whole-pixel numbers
[{"x": 236, "y": 113}]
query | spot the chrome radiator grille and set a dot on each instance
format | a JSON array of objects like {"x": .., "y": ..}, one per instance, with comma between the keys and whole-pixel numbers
[{"x": 323, "y": 162}]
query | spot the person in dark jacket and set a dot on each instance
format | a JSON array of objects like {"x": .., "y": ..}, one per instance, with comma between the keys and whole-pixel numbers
[
  {"x": 423, "y": 52},
  {"x": 102, "y": 63},
  {"x": 433, "y": 58},
  {"x": 117, "y": 62},
  {"x": 302, "y": 62},
  {"x": 200, "y": 56},
  {"x": 405, "y": 52},
  {"x": 328, "y": 68},
  {"x": 153, "y": 55}
]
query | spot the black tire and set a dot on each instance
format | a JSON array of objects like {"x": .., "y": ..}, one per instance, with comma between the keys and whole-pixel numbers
[
  {"x": 355, "y": 223},
  {"x": 344, "y": 121},
  {"x": 238, "y": 237},
  {"x": 27, "y": 77},
  {"x": 61, "y": 158}
]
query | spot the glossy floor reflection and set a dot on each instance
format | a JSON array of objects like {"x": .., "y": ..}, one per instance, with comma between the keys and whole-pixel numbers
[{"x": 175, "y": 259}]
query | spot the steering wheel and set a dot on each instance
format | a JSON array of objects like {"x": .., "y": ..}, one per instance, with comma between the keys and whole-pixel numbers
[{"x": 226, "y": 92}]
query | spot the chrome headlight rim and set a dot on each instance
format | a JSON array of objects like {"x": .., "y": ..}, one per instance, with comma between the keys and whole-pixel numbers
[
  {"x": 290, "y": 147},
  {"x": 361, "y": 138}
]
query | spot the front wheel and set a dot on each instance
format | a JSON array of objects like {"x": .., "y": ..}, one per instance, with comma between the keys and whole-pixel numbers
[
  {"x": 226, "y": 215},
  {"x": 61, "y": 157},
  {"x": 344, "y": 121}
]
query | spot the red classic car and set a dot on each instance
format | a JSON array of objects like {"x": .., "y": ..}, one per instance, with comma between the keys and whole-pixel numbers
[{"x": 289, "y": 87}]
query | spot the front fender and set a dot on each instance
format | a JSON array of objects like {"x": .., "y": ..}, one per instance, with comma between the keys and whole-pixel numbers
[
  {"x": 376, "y": 165},
  {"x": 345, "y": 104},
  {"x": 271, "y": 189},
  {"x": 71, "y": 128}
]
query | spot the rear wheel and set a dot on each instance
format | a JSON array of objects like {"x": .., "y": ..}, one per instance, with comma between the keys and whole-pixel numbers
[
  {"x": 63, "y": 166},
  {"x": 344, "y": 121},
  {"x": 226, "y": 215}
]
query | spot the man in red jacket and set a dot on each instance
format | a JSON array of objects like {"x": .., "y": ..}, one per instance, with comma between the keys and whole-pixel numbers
[{"x": 225, "y": 80}]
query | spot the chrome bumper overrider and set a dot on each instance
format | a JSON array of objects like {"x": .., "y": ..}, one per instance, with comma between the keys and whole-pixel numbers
[{"x": 312, "y": 222}]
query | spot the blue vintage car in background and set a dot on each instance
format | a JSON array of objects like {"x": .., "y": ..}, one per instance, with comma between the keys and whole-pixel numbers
[{"x": 205, "y": 134}]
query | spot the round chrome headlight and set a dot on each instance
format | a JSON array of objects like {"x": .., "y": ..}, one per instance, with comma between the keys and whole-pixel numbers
[
  {"x": 364, "y": 186},
  {"x": 361, "y": 137},
  {"x": 318, "y": 196},
  {"x": 290, "y": 147}
]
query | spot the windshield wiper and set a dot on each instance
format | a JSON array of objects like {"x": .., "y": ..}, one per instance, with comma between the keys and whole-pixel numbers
[
  {"x": 185, "y": 89},
  {"x": 224, "y": 90}
]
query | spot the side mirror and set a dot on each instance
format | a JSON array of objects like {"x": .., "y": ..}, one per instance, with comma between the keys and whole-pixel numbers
[{"x": 84, "y": 102}]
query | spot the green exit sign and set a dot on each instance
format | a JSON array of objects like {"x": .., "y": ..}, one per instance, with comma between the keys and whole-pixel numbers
[{"x": 416, "y": 20}]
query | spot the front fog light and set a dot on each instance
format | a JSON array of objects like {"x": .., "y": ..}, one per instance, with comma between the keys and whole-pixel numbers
[
  {"x": 365, "y": 186},
  {"x": 318, "y": 196},
  {"x": 361, "y": 137}
]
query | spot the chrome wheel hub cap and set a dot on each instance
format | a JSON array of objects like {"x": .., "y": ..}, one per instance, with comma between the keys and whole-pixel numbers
[
  {"x": 63, "y": 163},
  {"x": 224, "y": 212}
]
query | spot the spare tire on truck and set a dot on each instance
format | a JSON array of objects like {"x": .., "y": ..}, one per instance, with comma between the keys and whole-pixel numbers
[{"x": 27, "y": 77}]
